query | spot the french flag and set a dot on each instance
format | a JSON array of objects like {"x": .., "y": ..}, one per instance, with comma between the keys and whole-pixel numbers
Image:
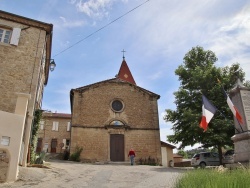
[
  {"x": 208, "y": 111},
  {"x": 233, "y": 108}
]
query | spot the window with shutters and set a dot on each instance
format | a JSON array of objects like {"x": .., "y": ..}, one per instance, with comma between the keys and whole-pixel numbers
[
  {"x": 68, "y": 126},
  {"x": 55, "y": 126},
  {"x": 5, "y": 35},
  {"x": 10, "y": 36},
  {"x": 65, "y": 143},
  {"x": 41, "y": 125}
]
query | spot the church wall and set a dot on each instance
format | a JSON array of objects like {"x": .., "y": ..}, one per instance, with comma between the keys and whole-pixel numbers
[
  {"x": 92, "y": 114},
  {"x": 96, "y": 143},
  {"x": 93, "y": 141},
  {"x": 92, "y": 107},
  {"x": 146, "y": 143}
]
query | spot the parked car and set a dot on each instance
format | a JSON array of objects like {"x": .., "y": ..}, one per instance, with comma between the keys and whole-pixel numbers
[
  {"x": 204, "y": 159},
  {"x": 228, "y": 157}
]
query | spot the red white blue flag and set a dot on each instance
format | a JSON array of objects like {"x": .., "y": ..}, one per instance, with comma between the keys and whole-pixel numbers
[
  {"x": 233, "y": 108},
  {"x": 208, "y": 111}
]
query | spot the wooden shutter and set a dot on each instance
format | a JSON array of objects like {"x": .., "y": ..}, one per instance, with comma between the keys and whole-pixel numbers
[
  {"x": 15, "y": 36},
  {"x": 68, "y": 126},
  {"x": 64, "y": 142},
  {"x": 41, "y": 125}
]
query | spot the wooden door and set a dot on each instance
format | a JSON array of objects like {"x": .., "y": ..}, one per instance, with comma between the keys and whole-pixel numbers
[
  {"x": 39, "y": 145},
  {"x": 117, "y": 147},
  {"x": 53, "y": 145}
]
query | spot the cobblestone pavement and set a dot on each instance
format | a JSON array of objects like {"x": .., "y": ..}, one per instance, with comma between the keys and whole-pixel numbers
[{"x": 64, "y": 174}]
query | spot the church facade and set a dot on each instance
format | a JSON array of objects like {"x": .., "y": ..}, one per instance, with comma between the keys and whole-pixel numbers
[{"x": 112, "y": 116}]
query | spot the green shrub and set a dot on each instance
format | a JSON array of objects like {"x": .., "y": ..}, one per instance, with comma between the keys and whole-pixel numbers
[
  {"x": 213, "y": 178},
  {"x": 149, "y": 161},
  {"x": 35, "y": 129},
  {"x": 40, "y": 158},
  {"x": 76, "y": 156}
]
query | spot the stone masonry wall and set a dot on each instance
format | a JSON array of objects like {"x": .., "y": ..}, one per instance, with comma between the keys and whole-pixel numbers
[
  {"x": 146, "y": 143},
  {"x": 47, "y": 134},
  {"x": 4, "y": 164},
  {"x": 92, "y": 107},
  {"x": 96, "y": 143},
  {"x": 20, "y": 65}
]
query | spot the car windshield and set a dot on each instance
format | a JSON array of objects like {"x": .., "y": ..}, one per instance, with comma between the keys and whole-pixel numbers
[
  {"x": 229, "y": 152},
  {"x": 196, "y": 155}
]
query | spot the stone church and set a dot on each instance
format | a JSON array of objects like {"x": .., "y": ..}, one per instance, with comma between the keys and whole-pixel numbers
[{"x": 111, "y": 116}]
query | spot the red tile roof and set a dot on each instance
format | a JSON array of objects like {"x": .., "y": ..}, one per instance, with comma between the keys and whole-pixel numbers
[
  {"x": 56, "y": 115},
  {"x": 125, "y": 74}
]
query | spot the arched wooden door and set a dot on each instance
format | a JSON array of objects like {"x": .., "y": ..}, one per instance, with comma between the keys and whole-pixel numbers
[{"x": 117, "y": 147}]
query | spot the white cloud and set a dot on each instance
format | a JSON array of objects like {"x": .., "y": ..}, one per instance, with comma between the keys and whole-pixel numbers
[
  {"x": 156, "y": 75},
  {"x": 164, "y": 132},
  {"x": 72, "y": 1},
  {"x": 94, "y": 8},
  {"x": 70, "y": 24},
  {"x": 230, "y": 42}
]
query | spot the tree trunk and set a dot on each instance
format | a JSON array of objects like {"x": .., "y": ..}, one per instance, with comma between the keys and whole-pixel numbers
[{"x": 220, "y": 153}]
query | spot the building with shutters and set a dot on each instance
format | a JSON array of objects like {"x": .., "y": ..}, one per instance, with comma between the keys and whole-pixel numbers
[
  {"x": 112, "y": 116},
  {"x": 25, "y": 55},
  {"x": 54, "y": 132}
]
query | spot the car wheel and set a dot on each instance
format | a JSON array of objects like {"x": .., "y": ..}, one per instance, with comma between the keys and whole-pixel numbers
[{"x": 203, "y": 165}]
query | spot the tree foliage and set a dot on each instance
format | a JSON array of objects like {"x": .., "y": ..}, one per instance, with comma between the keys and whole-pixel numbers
[
  {"x": 35, "y": 129},
  {"x": 183, "y": 153},
  {"x": 198, "y": 75}
]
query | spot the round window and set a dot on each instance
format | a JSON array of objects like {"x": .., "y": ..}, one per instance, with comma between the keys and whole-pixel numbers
[{"x": 117, "y": 105}]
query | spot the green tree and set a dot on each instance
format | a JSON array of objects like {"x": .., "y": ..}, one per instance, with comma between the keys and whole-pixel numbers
[
  {"x": 183, "y": 154},
  {"x": 198, "y": 75}
]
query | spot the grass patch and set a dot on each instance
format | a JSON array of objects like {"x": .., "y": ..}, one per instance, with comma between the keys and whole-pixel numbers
[{"x": 214, "y": 178}]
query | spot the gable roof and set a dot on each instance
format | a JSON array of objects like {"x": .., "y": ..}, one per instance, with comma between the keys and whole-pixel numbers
[
  {"x": 177, "y": 156},
  {"x": 56, "y": 115},
  {"x": 125, "y": 74},
  {"x": 167, "y": 145},
  {"x": 113, "y": 80},
  {"x": 37, "y": 24}
]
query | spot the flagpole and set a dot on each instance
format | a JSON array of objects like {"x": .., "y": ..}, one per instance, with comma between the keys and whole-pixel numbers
[
  {"x": 226, "y": 98},
  {"x": 228, "y": 120},
  {"x": 239, "y": 124}
]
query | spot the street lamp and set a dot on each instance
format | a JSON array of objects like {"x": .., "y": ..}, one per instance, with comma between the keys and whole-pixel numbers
[{"x": 52, "y": 65}]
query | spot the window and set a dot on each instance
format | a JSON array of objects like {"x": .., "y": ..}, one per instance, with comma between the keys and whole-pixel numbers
[
  {"x": 117, "y": 105},
  {"x": 68, "y": 126},
  {"x": 116, "y": 123},
  {"x": 206, "y": 154},
  {"x": 65, "y": 143},
  {"x": 5, "y": 35},
  {"x": 10, "y": 36},
  {"x": 55, "y": 126},
  {"x": 41, "y": 125}
]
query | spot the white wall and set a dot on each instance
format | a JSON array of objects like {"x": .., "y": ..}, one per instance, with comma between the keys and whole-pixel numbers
[{"x": 11, "y": 127}]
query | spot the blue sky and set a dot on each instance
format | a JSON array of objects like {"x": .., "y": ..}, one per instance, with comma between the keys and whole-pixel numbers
[{"x": 155, "y": 36}]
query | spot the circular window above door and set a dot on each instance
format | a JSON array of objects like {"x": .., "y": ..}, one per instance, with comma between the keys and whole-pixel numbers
[{"x": 117, "y": 105}]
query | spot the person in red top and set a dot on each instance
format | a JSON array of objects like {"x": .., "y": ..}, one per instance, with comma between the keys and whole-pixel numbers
[{"x": 131, "y": 154}]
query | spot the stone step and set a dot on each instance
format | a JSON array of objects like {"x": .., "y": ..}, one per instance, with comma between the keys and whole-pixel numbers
[{"x": 115, "y": 163}]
